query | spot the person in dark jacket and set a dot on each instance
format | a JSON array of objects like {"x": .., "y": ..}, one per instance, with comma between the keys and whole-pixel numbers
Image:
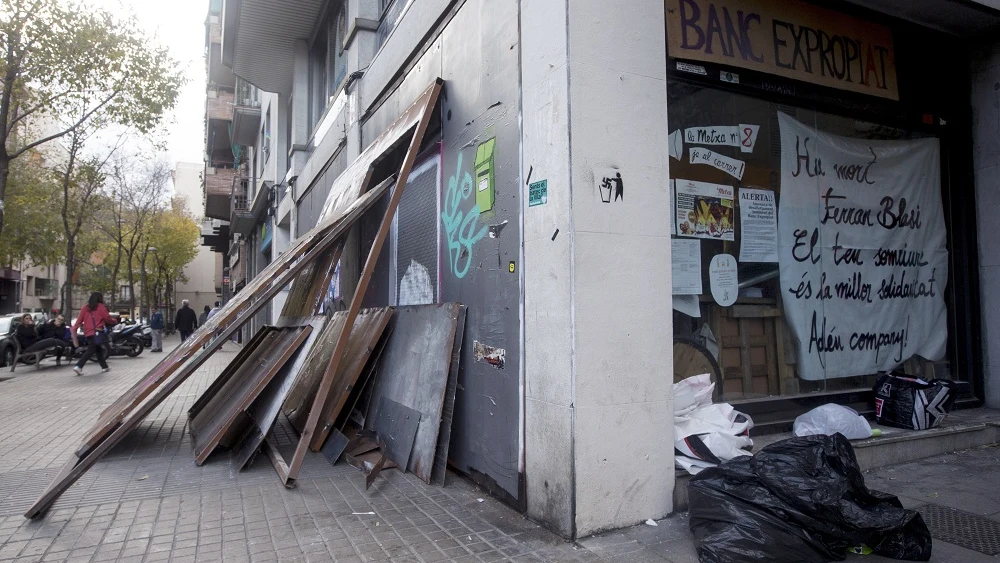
[
  {"x": 185, "y": 320},
  {"x": 203, "y": 317},
  {"x": 26, "y": 333},
  {"x": 156, "y": 325},
  {"x": 93, "y": 318},
  {"x": 57, "y": 331}
]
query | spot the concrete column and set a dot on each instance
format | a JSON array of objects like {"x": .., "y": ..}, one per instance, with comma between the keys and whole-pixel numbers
[
  {"x": 623, "y": 323},
  {"x": 299, "y": 115},
  {"x": 598, "y": 319},
  {"x": 549, "y": 388},
  {"x": 986, "y": 161}
]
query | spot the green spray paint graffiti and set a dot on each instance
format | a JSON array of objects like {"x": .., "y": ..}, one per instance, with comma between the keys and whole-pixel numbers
[{"x": 460, "y": 227}]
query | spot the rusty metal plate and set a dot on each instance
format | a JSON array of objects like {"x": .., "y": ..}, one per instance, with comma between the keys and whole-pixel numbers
[
  {"x": 264, "y": 410},
  {"x": 223, "y": 408},
  {"x": 364, "y": 336},
  {"x": 396, "y": 426},
  {"x": 440, "y": 469},
  {"x": 414, "y": 372}
]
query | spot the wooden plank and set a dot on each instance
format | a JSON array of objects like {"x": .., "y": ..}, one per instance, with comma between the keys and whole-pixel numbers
[
  {"x": 414, "y": 372},
  {"x": 745, "y": 357},
  {"x": 264, "y": 411},
  {"x": 424, "y": 107},
  {"x": 252, "y": 298},
  {"x": 163, "y": 388},
  {"x": 246, "y": 385},
  {"x": 753, "y": 311},
  {"x": 440, "y": 469},
  {"x": 770, "y": 347}
]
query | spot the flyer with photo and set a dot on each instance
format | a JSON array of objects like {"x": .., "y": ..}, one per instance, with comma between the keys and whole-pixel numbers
[{"x": 705, "y": 210}]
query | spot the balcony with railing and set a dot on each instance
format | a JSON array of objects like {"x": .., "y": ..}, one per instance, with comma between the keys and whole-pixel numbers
[
  {"x": 242, "y": 219},
  {"x": 246, "y": 116},
  {"x": 220, "y": 106},
  {"x": 218, "y": 184}
]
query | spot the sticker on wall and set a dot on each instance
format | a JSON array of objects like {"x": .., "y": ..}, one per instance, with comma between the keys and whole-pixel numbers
[
  {"x": 724, "y": 279},
  {"x": 485, "y": 194},
  {"x": 693, "y": 69},
  {"x": 743, "y": 136},
  {"x": 730, "y": 77},
  {"x": 730, "y": 166},
  {"x": 675, "y": 144},
  {"x": 610, "y": 185},
  {"x": 538, "y": 193},
  {"x": 511, "y": 267},
  {"x": 488, "y": 354}
]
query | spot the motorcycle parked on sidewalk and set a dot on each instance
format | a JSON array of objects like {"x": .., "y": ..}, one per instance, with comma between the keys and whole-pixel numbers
[{"x": 126, "y": 341}]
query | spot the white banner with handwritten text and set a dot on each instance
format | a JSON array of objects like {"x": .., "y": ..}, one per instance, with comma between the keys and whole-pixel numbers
[{"x": 861, "y": 247}]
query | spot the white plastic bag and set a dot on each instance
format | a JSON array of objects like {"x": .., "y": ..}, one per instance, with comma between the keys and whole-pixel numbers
[
  {"x": 692, "y": 392},
  {"x": 830, "y": 419}
]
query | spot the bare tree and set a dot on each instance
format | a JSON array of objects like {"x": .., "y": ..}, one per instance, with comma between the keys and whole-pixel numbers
[
  {"x": 81, "y": 179},
  {"x": 137, "y": 193}
]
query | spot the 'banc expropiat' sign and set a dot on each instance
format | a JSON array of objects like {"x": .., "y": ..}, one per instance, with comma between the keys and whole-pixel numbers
[{"x": 787, "y": 38}]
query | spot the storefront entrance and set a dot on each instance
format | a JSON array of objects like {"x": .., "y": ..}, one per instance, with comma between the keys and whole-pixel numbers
[{"x": 823, "y": 207}]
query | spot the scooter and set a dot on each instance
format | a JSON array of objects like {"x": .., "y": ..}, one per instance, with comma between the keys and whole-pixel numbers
[{"x": 126, "y": 341}]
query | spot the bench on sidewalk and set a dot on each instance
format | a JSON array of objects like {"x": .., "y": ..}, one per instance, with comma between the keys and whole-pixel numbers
[{"x": 38, "y": 351}]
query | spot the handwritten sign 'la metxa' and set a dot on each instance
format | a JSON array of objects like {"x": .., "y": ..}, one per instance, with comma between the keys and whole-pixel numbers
[
  {"x": 787, "y": 38},
  {"x": 861, "y": 251}
]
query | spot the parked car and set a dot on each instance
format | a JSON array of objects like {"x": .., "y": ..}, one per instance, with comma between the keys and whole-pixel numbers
[{"x": 8, "y": 324}]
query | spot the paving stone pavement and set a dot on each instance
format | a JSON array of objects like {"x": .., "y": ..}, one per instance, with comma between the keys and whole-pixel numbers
[{"x": 148, "y": 501}]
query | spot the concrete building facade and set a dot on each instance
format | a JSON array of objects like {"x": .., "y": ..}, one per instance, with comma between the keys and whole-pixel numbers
[
  {"x": 545, "y": 199},
  {"x": 204, "y": 273}
]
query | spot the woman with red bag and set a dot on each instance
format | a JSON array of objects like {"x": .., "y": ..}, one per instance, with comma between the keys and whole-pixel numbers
[{"x": 94, "y": 317}]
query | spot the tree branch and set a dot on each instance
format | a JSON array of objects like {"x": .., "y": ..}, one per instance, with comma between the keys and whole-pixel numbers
[{"x": 79, "y": 122}]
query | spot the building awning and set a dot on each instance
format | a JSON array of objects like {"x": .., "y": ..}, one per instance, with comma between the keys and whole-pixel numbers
[{"x": 259, "y": 36}]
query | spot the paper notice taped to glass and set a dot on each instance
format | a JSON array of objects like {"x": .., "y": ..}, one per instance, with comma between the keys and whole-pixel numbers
[
  {"x": 685, "y": 261},
  {"x": 758, "y": 226}
]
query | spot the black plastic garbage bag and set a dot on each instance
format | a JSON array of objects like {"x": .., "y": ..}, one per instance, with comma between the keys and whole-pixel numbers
[{"x": 798, "y": 500}]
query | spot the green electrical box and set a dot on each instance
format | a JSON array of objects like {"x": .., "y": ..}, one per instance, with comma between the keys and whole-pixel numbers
[{"x": 485, "y": 194}]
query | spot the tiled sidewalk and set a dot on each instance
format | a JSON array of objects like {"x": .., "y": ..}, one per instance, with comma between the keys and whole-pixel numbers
[{"x": 148, "y": 501}]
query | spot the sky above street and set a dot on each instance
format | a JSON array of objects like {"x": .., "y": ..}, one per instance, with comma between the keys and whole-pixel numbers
[{"x": 180, "y": 26}]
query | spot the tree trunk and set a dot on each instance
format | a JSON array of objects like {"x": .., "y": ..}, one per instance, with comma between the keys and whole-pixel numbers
[
  {"x": 131, "y": 286},
  {"x": 4, "y": 175},
  {"x": 68, "y": 284}
]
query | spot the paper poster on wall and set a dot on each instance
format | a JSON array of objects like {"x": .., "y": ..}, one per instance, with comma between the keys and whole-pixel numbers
[
  {"x": 758, "y": 226},
  {"x": 673, "y": 207},
  {"x": 743, "y": 136},
  {"x": 685, "y": 262},
  {"x": 704, "y": 210},
  {"x": 861, "y": 251},
  {"x": 730, "y": 166},
  {"x": 675, "y": 145},
  {"x": 723, "y": 278},
  {"x": 687, "y": 304}
]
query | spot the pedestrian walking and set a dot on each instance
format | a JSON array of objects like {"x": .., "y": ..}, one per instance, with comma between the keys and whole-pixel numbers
[
  {"x": 203, "y": 317},
  {"x": 93, "y": 318},
  {"x": 185, "y": 320},
  {"x": 156, "y": 325}
]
